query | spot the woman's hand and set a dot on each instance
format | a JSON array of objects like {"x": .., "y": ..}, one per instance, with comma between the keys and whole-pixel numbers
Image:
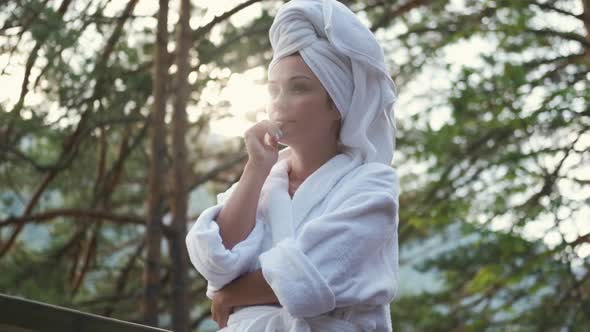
[
  {"x": 221, "y": 308},
  {"x": 248, "y": 289},
  {"x": 262, "y": 144}
]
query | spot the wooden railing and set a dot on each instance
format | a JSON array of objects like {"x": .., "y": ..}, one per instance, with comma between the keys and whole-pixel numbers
[{"x": 22, "y": 315}]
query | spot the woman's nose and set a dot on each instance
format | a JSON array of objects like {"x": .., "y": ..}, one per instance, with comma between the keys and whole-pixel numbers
[
  {"x": 274, "y": 113},
  {"x": 277, "y": 103}
]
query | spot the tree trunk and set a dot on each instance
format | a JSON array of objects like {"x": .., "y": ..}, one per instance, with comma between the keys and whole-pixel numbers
[
  {"x": 178, "y": 255},
  {"x": 156, "y": 175}
]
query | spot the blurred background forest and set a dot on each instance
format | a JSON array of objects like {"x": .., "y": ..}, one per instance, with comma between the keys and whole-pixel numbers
[{"x": 121, "y": 120}]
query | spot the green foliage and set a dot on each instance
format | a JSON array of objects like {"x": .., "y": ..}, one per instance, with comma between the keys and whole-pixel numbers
[
  {"x": 526, "y": 103},
  {"x": 25, "y": 274}
]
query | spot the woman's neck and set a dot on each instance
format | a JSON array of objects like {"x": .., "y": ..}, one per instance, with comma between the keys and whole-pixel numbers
[{"x": 303, "y": 164}]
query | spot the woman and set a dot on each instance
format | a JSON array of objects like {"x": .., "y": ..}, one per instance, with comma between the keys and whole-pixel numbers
[{"x": 307, "y": 239}]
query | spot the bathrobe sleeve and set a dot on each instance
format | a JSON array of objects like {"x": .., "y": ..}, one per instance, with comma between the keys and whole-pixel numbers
[
  {"x": 347, "y": 256},
  {"x": 210, "y": 257}
]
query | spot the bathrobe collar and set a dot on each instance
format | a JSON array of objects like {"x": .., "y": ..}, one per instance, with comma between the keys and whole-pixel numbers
[{"x": 286, "y": 214}]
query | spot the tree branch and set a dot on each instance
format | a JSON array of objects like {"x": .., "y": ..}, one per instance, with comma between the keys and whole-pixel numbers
[
  {"x": 74, "y": 213},
  {"x": 122, "y": 279},
  {"x": 560, "y": 34},
  {"x": 31, "y": 62},
  {"x": 201, "y": 31},
  {"x": 387, "y": 17},
  {"x": 548, "y": 6}
]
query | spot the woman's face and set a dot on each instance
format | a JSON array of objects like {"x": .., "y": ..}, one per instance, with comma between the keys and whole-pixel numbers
[{"x": 300, "y": 104}]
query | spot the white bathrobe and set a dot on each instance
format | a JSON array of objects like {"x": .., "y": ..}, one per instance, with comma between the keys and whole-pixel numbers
[{"x": 330, "y": 253}]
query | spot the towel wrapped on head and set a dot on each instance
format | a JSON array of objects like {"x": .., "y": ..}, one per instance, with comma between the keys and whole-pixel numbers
[{"x": 349, "y": 62}]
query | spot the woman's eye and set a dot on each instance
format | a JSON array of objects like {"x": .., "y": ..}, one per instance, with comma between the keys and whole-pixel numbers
[
  {"x": 273, "y": 91},
  {"x": 298, "y": 88}
]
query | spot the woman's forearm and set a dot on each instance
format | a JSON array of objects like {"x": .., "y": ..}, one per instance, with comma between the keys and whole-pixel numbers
[
  {"x": 249, "y": 289},
  {"x": 238, "y": 216}
]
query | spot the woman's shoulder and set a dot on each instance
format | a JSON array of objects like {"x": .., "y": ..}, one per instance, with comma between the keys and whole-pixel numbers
[{"x": 376, "y": 177}]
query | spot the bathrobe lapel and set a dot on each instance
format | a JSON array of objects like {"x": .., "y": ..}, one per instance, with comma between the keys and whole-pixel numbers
[
  {"x": 285, "y": 214},
  {"x": 276, "y": 203},
  {"x": 315, "y": 188}
]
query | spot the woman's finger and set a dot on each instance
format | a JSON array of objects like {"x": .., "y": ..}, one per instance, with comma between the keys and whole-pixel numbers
[
  {"x": 223, "y": 319},
  {"x": 263, "y": 127},
  {"x": 271, "y": 141},
  {"x": 214, "y": 312},
  {"x": 272, "y": 128},
  {"x": 219, "y": 311},
  {"x": 221, "y": 316}
]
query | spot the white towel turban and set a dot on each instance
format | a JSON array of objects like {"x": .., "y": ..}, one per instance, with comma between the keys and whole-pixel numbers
[{"x": 349, "y": 62}]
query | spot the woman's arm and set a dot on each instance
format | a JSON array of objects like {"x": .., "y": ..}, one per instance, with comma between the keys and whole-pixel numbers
[
  {"x": 238, "y": 216},
  {"x": 249, "y": 289}
]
